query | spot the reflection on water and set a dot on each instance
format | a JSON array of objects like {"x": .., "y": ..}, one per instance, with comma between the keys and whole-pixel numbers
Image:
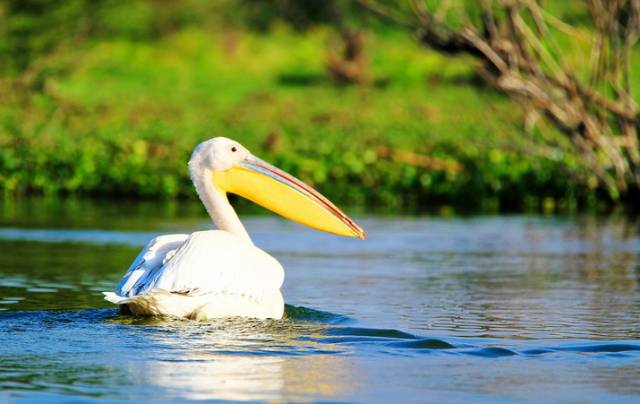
[
  {"x": 252, "y": 377},
  {"x": 242, "y": 360},
  {"x": 482, "y": 308},
  {"x": 238, "y": 360}
]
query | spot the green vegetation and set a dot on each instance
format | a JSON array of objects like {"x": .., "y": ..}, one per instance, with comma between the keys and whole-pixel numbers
[{"x": 117, "y": 113}]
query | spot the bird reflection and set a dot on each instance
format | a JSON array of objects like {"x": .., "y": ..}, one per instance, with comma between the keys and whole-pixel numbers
[
  {"x": 240, "y": 359},
  {"x": 234, "y": 377}
]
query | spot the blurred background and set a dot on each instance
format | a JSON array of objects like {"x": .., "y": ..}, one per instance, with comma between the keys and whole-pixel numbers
[
  {"x": 474, "y": 105},
  {"x": 391, "y": 108}
]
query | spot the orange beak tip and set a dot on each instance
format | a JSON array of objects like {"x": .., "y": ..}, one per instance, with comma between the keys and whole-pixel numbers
[{"x": 361, "y": 234}]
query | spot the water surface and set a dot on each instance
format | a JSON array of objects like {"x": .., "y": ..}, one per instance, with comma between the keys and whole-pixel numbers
[{"x": 490, "y": 308}]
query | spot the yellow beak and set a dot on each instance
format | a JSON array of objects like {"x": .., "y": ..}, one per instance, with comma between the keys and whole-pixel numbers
[{"x": 282, "y": 193}]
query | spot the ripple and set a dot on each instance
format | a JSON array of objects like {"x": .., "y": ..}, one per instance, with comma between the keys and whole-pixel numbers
[
  {"x": 601, "y": 347},
  {"x": 305, "y": 314},
  {"x": 536, "y": 351},
  {"x": 76, "y": 236},
  {"x": 426, "y": 343},
  {"x": 492, "y": 352},
  {"x": 371, "y": 332},
  {"x": 42, "y": 290},
  {"x": 306, "y": 331}
]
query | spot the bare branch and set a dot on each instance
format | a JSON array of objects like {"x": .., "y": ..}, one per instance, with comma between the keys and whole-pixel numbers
[
  {"x": 386, "y": 13},
  {"x": 521, "y": 57}
]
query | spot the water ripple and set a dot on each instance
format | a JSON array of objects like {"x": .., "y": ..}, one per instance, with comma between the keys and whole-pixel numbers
[
  {"x": 90, "y": 236},
  {"x": 305, "y": 331}
]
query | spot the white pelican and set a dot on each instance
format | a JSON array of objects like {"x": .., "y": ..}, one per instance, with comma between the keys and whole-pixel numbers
[{"x": 220, "y": 273}]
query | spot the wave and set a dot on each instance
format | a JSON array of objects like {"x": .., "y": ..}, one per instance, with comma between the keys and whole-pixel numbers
[{"x": 303, "y": 331}]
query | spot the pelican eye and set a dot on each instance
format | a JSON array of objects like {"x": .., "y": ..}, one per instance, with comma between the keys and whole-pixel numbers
[{"x": 234, "y": 149}]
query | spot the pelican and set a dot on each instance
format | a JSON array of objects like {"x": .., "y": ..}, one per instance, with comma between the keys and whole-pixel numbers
[{"x": 221, "y": 273}]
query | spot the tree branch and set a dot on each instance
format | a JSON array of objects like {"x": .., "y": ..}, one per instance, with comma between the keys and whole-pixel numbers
[{"x": 521, "y": 57}]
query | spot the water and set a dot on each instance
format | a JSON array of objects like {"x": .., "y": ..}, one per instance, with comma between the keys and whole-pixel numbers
[{"x": 489, "y": 308}]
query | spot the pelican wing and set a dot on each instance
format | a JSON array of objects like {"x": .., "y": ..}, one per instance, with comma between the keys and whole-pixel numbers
[
  {"x": 149, "y": 261},
  {"x": 206, "y": 262}
]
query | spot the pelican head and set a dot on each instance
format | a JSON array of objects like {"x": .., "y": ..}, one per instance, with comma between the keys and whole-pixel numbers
[{"x": 231, "y": 168}]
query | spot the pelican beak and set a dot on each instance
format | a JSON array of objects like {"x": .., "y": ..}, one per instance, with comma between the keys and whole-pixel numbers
[{"x": 282, "y": 193}]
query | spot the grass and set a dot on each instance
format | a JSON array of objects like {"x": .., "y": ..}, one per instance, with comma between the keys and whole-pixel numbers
[{"x": 120, "y": 118}]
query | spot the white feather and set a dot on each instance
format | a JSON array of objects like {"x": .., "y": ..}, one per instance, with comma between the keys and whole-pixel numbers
[{"x": 205, "y": 275}]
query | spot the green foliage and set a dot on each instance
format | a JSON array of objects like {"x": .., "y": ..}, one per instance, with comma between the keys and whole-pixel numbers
[
  {"x": 109, "y": 98},
  {"x": 33, "y": 28},
  {"x": 121, "y": 118}
]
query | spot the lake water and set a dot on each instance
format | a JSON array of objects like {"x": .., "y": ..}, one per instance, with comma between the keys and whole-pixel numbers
[{"x": 489, "y": 308}]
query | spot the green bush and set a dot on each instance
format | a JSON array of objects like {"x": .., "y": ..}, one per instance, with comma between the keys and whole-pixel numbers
[{"x": 109, "y": 98}]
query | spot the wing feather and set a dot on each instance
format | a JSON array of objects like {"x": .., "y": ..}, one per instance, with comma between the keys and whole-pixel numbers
[
  {"x": 204, "y": 262},
  {"x": 148, "y": 261}
]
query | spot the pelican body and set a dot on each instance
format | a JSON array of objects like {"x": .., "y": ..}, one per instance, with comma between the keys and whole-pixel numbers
[{"x": 221, "y": 273}]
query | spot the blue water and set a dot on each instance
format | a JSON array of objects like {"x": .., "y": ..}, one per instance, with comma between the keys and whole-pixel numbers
[{"x": 484, "y": 308}]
